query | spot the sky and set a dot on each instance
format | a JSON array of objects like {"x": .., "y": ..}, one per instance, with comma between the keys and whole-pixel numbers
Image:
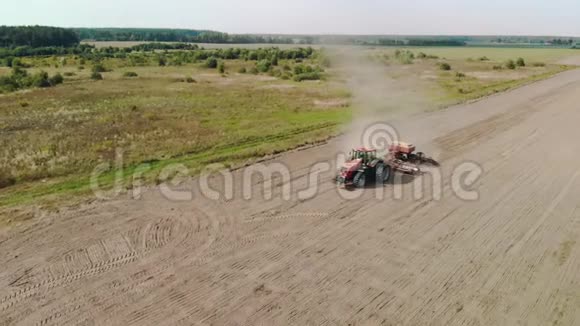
[{"x": 440, "y": 17}]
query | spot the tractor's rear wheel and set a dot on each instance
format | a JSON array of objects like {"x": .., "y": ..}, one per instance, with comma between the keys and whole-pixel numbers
[
  {"x": 387, "y": 174},
  {"x": 383, "y": 173},
  {"x": 359, "y": 179}
]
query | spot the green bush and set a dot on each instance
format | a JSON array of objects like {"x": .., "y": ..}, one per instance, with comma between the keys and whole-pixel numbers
[
  {"x": 254, "y": 71},
  {"x": 275, "y": 73},
  {"x": 314, "y": 75},
  {"x": 497, "y": 67},
  {"x": 444, "y": 66},
  {"x": 406, "y": 60},
  {"x": 96, "y": 76},
  {"x": 17, "y": 62},
  {"x": 538, "y": 64},
  {"x": 8, "y": 61},
  {"x": 510, "y": 64},
  {"x": 161, "y": 61},
  {"x": 56, "y": 79},
  {"x": 7, "y": 84},
  {"x": 40, "y": 80},
  {"x": 520, "y": 62},
  {"x": 298, "y": 69},
  {"x": 242, "y": 70},
  {"x": 459, "y": 75},
  {"x": 190, "y": 80},
  {"x": 69, "y": 74},
  {"x": 405, "y": 57},
  {"x": 484, "y": 58},
  {"x": 99, "y": 68},
  {"x": 19, "y": 78},
  {"x": 19, "y": 73},
  {"x": 211, "y": 62},
  {"x": 221, "y": 67},
  {"x": 6, "y": 179},
  {"x": 130, "y": 74},
  {"x": 263, "y": 65},
  {"x": 421, "y": 55}
]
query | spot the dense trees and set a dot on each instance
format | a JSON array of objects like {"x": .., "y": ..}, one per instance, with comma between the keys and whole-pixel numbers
[
  {"x": 137, "y": 34},
  {"x": 513, "y": 41},
  {"x": 435, "y": 42},
  {"x": 415, "y": 42},
  {"x": 28, "y": 51},
  {"x": 559, "y": 41},
  {"x": 274, "y": 61},
  {"x": 173, "y": 35},
  {"x": 37, "y": 36},
  {"x": 43, "y": 36},
  {"x": 186, "y": 53}
]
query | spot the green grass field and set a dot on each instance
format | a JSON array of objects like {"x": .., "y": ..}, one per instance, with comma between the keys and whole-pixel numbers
[
  {"x": 473, "y": 72},
  {"x": 546, "y": 55},
  {"x": 52, "y": 138}
]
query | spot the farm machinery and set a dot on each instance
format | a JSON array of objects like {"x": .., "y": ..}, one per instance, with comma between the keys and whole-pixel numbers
[{"x": 364, "y": 166}]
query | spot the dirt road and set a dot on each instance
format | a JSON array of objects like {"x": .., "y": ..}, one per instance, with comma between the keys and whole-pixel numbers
[{"x": 511, "y": 257}]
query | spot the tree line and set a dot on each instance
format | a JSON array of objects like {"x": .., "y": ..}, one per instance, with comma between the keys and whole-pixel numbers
[
  {"x": 45, "y": 36},
  {"x": 191, "y": 50},
  {"x": 415, "y": 42},
  {"x": 174, "y": 35},
  {"x": 180, "y": 53},
  {"x": 37, "y": 36}
]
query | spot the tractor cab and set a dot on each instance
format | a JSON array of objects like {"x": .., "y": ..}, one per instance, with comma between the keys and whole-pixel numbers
[{"x": 364, "y": 154}]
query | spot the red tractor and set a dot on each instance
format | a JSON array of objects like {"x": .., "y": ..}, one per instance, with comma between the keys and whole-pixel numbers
[{"x": 364, "y": 166}]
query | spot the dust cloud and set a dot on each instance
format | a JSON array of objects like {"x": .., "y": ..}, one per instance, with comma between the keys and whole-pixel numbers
[{"x": 381, "y": 93}]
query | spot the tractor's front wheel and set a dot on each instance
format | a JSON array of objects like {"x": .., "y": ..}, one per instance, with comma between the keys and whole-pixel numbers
[{"x": 359, "y": 179}]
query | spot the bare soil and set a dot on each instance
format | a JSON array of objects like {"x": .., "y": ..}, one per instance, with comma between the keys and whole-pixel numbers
[
  {"x": 509, "y": 258},
  {"x": 573, "y": 61}
]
